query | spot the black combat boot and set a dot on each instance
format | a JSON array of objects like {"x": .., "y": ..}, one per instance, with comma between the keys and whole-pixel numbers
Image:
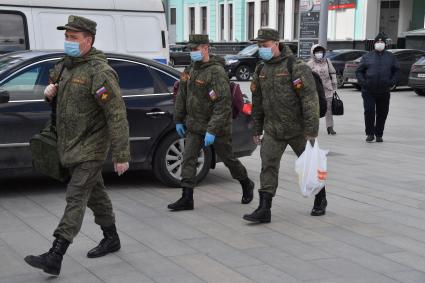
[
  {"x": 320, "y": 203},
  {"x": 370, "y": 138},
  {"x": 379, "y": 139},
  {"x": 51, "y": 261},
  {"x": 109, "y": 244},
  {"x": 247, "y": 190},
  {"x": 185, "y": 202},
  {"x": 331, "y": 131},
  {"x": 263, "y": 213}
]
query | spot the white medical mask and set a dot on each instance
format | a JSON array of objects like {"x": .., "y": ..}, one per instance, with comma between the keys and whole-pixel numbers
[
  {"x": 318, "y": 55},
  {"x": 379, "y": 46}
]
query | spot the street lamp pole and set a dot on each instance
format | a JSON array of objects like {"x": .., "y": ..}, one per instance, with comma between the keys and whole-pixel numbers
[{"x": 323, "y": 23}]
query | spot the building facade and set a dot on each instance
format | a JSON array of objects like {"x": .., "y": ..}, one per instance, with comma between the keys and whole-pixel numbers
[{"x": 239, "y": 20}]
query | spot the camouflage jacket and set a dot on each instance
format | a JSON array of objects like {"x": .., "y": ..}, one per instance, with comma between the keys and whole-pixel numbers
[
  {"x": 91, "y": 115},
  {"x": 203, "y": 102},
  {"x": 279, "y": 109}
]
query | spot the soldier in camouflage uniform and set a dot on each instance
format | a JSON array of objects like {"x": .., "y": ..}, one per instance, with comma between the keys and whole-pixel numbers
[
  {"x": 286, "y": 108},
  {"x": 91, "y": 118},
  {"x": 203, "y": 115}
]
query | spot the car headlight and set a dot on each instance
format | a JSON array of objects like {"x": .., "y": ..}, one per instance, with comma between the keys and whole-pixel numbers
[{"x": 231, "y": 61}]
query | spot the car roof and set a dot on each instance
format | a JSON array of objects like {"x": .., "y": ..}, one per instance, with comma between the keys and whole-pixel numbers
[{"x": 29, "y": 56}]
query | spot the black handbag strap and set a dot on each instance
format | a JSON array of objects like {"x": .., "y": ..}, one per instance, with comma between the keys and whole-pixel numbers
[{"x": 54, "y": 102}]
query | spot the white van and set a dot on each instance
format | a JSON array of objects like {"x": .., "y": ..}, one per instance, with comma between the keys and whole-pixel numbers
[{"x": 135, "y": 27}]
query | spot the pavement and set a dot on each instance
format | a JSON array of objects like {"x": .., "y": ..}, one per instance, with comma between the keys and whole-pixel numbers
[{"x": 373, "y": 231}]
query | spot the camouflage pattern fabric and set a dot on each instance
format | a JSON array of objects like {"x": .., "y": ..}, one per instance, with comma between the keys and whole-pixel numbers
[
  {"x": 78, "y": 23},
  {"x": 265, "y": 34},
  {"x": 286, "y": 108},
  {"x": 197, "y": 39},
  {"x": 203, "y": 102},
  {"x": 91, "y": 114},
  {"x": 86, "y": 189},
  {"x": 278, "y": 109},
  {"x": 222, "y": 147}
]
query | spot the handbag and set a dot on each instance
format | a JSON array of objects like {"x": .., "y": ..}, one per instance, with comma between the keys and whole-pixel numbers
[
  {"x": 337, "y": 105},
  {"x": 44, "y": 150},
  {"x": 45, "y": 156}
]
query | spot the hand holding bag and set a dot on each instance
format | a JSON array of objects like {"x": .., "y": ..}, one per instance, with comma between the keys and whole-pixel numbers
[{"x": 337, "y": 105}]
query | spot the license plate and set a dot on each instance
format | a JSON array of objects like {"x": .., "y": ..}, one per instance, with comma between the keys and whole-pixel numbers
[
  {"x": 352, "y": 80},
  {"x": 421, "y": 75}
]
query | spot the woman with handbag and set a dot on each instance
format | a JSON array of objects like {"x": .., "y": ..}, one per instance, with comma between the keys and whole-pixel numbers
[{"x": 321, "y": 65}]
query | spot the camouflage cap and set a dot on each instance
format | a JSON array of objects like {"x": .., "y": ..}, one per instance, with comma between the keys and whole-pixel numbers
[
  {"x": 265, "y": 34},
  {"x": 77, "y": 23},
  {"x": 197, "y": 39}
]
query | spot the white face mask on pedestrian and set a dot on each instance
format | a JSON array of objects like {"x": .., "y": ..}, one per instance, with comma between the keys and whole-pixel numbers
[
  {"x": 379, "y": 46},
  {"x": 318, "y": 55}
]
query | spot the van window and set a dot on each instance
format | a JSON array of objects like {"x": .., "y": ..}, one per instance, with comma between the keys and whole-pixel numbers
[
  {"x": 12, "y": 32},
  {"x": 142, "y": 34}
]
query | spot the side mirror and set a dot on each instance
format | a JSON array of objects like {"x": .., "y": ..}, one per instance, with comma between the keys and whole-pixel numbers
[{"x": 4, "y": 96}]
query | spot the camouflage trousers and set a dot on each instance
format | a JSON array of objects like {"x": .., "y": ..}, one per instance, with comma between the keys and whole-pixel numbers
[
  {"x": 271, "y": 153},
  {"x": 85, "y": 188},
  {"x": 222, "y": 147}
]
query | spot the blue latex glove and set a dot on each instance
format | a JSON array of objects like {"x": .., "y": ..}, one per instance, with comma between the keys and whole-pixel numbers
[
  {"x": 180, "y": 130},
  {"x": 209, "y": 139}
]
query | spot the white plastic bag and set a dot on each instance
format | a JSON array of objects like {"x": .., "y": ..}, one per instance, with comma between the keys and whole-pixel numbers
[{"x": 311, "y": 168}]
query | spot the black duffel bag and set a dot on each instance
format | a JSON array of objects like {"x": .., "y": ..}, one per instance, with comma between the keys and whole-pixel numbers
[
  {"x": 337, "y": 105},
  {"x": 45, "y": 156}
]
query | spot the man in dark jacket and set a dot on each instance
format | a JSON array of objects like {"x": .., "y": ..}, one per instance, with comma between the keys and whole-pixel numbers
[
  {"x": 203, "y": 116},
  {"x": 376, "y": 74}
]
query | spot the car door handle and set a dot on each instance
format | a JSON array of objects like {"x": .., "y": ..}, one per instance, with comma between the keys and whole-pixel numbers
[{"x": 157, "y": 113}]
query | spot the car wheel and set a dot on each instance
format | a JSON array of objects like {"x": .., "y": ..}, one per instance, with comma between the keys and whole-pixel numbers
[
  {"x": 168, "y": 161},
  {"x": 420, "y": 91},
  {"x": 340, "y": 80},
  {"x": 243, "y": 73},
  {"x": 356, "y": 86},
  {"x": 171, "y": 63}
]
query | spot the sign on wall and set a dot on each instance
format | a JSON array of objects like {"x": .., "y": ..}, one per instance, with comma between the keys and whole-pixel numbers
[
  {"x": 342, "y": 4},
  {"x": 309, "y": 27}
]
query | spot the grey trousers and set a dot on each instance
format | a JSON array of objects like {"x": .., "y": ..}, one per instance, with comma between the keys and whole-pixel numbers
[{"x": 328, "y": 115}]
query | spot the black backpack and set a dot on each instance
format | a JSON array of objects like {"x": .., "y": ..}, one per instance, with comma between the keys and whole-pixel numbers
[{"x": 319, "y": 87}]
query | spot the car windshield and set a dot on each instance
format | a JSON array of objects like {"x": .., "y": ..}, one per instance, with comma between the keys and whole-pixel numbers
[
  {"x": 333, "y": 54},
  {"x": 249, "y": 50}
]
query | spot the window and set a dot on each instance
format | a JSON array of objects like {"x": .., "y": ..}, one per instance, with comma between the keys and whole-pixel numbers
[
  {"x": 264, "y": 13},
  {"x": 29, "y": 84},
  {"x": 192, "y": 20},
  {"x": 250, "y": 20},
  {"x": 230, "y": 22},
  {"x": 172, "y": 16},
  {"x": 12, "y": 32},
  {"x": 296, "y": 18},
  {"x": 204, "y": 20},
  {"x": 222, "y": 22},
  {"x": 137, "y": 79},
  {"x": 281, "y": 18}
]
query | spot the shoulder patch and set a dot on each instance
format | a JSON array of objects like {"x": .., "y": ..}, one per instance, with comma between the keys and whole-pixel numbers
[{"x": 102, "y": 94}]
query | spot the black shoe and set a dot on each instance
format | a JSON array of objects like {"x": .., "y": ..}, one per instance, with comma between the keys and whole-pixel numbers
[
  {"x": 331, "y": 131},
  {"x": 379, "y": 139},
  {"x": 320, "y": 203},
  {"x": 263, "y": 213},
  {"x": 109, "y": 244},
  {"x": 185, "y": 202},
  {"x": 247, "y": 190},
  {"x": 50, "y": 262},
  {"x": 370, "y": 138}
]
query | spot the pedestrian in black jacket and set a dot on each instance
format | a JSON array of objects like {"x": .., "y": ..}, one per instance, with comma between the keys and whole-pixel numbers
[{"x": 376, "y": 74}]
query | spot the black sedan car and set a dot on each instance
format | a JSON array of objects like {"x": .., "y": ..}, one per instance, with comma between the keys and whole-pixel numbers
[
  {"x": 417, "y": 76},
  {"x": 179, "y": 55},
  {"x": 147, "y": 91},
  {"x": 339, "y": 57},
  {"x": 242, "y": 65},
  {"x": 405, "y": 57}
]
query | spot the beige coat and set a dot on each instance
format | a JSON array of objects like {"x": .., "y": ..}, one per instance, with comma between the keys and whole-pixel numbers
[{"x": 326, "y": 71}]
